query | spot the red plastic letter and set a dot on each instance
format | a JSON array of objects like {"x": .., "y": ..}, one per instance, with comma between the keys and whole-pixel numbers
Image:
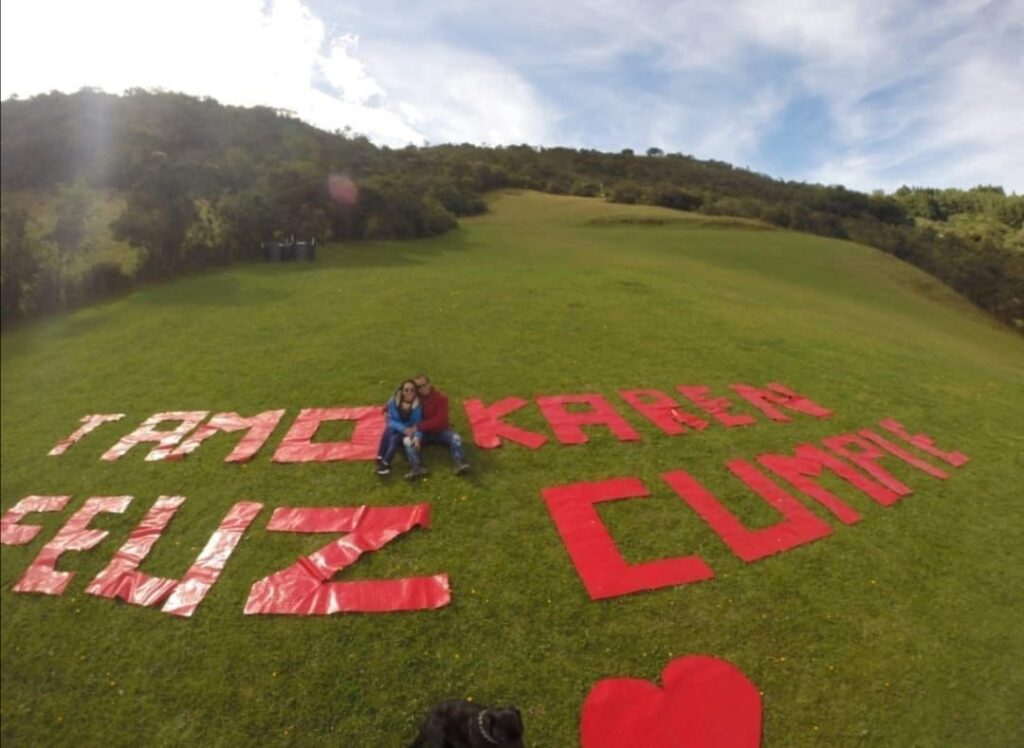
[
  {"x": 42, "y": 575},
  {"x": 305, "y": 588},
  {"x": 12, "y": 533},
  {"x": 865, "y": 457},
  {"x": 122, "y": 579},
  {"x": 602, "y": 568},
  {"x": 779, "y": 394},
  {"x": 662, "y": 411},
  {"x": 924, "y": 442},
  {"x": 211, "y": 561},
  {"x": 489, "y": 429},
  {"x": 809, "y": 462},
  {"x": 715, "y": 407},
  {"x": 908, "y": 458},
  {"x": 799, "y": 526},
  {"x": 89, "y": 423},
  {"x": 260, "y": 427},
  {"x": 165, "y": 440},
  {"x": 566, "y": 424},
  {"x": 298, "y": 444}
]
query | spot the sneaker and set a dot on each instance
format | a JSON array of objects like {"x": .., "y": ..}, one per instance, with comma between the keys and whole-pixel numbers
[
  {"x": 462, "y": 468},
  {"x": 382, "y": 468},
  {"x": 416, "y": 473}
]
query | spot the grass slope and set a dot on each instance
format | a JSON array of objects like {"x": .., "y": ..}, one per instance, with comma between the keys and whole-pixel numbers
[{"x": 901, "y": 630}]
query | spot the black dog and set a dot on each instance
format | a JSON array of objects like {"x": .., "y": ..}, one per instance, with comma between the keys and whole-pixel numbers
[{"x": 462, "y": 724}]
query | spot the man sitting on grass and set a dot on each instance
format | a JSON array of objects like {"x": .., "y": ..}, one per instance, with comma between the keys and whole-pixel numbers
[{"x": 434, "y": 427}]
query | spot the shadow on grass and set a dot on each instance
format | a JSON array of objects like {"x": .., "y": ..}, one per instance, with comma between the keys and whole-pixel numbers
[
  {"x": 397, "y": 253},
  {"x": 213, "y": 290}
]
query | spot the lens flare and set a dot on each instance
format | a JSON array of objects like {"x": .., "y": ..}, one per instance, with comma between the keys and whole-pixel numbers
[{"x": 343, "y": 190}]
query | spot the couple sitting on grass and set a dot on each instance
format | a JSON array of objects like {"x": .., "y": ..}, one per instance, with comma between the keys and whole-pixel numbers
[{"x": 418, "y": 415}]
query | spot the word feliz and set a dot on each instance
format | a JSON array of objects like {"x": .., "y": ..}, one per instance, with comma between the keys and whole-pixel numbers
[
  {"x": 306, "y": 587},
  {"x": 566, "y": 414}
]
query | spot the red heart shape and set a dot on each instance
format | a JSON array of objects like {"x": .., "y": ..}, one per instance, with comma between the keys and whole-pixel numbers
[{"x": 705, "y": 703}]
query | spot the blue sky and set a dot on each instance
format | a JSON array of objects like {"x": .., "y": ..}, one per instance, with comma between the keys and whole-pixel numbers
[{"x": 855, "y": 92}]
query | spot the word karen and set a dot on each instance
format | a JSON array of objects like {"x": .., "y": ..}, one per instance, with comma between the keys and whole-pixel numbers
[
  {"x": 566, "y": 414},
  {"x": 306, "y": 587}
]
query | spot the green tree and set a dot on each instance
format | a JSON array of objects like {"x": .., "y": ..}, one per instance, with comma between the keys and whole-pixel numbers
[{"x": 18, "y": 264}]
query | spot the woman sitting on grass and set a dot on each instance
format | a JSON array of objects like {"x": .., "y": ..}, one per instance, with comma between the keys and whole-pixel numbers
[{"x": 403, "y": 417}]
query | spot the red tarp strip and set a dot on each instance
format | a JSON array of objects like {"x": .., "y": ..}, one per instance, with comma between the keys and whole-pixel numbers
[
  {"x": 120, "y": 578},
  {"x": 260, "y": 427},
  {"x": 13, "y": 533},
  {"x": 924, "y": 442},
  {"x": 865, "y": 457},
  {"x": 298, "y": 444},
  {"x": 908, "y": 458},
  {"x": 489, "y": 429},
  {"x": 661, "y": 410},
  {"x": 704, "y": 703},
  {"x": 211, "y": 561},
  {"x": 566, "y": 424},
  {"x": 799, "y": 526},
  {"x": 165, "y": 441},
  {"x": 778, "y": 394},
  {"x": 811, "y": 460},
  {"x": 42, "y": 576},
  {"x": 304, "y": 588},
  {"x": 601, "y": 567},
  {"x": 89, "y": 423},
  {"x": 717, "y": 408}
]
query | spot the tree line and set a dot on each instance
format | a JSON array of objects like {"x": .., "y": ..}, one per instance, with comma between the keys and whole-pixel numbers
[{"x": 203, "y": 184}]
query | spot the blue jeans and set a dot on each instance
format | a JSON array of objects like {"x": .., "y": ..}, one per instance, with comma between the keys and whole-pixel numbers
[
  {"x": 448, "y": 438},
  {"x": 389, "y": 444}
]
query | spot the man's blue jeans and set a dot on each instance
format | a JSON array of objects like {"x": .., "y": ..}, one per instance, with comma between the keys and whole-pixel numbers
[{"x": 448, "y": 438}]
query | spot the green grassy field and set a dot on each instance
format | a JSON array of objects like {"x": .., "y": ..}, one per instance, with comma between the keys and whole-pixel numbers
[{"x": 904, "y": 629}]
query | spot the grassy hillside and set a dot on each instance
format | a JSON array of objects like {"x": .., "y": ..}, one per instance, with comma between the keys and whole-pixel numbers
[{"x": 900, "y": 630}]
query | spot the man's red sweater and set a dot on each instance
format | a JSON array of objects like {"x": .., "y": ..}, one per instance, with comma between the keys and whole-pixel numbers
[{"x": 435, "y": 412}]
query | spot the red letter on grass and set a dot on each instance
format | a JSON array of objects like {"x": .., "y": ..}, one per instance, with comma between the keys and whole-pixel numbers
[
  {"x": 809, "y": 462},
  {"x": 602, "y": 568},
  {"x": 717, "y": 407},
  {"x": 166, "y": 441},
  {"x": 305, "y": 588},
  {"x": 924, "y": 442},
  {"x": 799, "y": 526},
  {"x": 489, "y": 429},
  {"x": 778, "y": 394},
  {"x": 566, "y": 424},
  {"x": 42, "y": 575},
  {"x": 908, "y": 458},
  {"x": 298, "y": 444},
  {"x": 122, "y": 579},
  {"x": 866, "y": 456},
  {"x": 12, "y": 533},
  {"x": 89, "y": 424},
  {"x": 260, "y": 427},
  {"x": 662, "y": 411}
]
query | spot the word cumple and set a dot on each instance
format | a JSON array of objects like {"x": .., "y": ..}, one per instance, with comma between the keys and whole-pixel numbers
[
  {"x": 305, "y": 587},
  {"x": 605, "y": 573},
  {"x": 566, "y": 414}
]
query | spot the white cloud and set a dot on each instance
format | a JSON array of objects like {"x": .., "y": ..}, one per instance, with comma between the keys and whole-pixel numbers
[
  {"x": 459, "y": 96},
  {"x": 242, "y": 52},
  {"x": 909, "y": 90}
]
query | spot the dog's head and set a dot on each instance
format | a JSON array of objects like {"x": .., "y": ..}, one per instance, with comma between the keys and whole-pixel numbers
[{"x": 505, "y": 726}]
